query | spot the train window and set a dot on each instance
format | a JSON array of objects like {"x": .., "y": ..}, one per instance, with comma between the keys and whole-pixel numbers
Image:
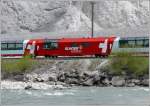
[
  {"x": 11, "y": 45},
  {"x": 51, "y": 45},
  {"x": 19, "y": 46},
  {"x": 146, "y": 43},
  {"x": 139, "y": 43},
  {"x": 131, "y": 43},
  {"x": 127, "y": 43},
  {"x": 134, "y": 43},
  {"x": 85, "y": 44},
  {"x": 123, "y": 43},
  {"x": 3, "y": 46},
  {"x": 74, "y": 45}
]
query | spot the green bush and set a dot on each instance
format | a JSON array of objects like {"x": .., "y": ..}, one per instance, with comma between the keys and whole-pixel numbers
[
  {"x": 17, "y": 66},
  {"x": 126, "y": 63}
]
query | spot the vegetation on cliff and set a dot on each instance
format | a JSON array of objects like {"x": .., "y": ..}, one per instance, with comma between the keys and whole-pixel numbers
[
  {"x": 17, "y": 66},
  {"x": 126, "y": 64}
]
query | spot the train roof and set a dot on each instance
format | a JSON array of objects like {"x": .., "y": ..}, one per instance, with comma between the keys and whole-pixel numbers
[{"x": 83, "y": 39}]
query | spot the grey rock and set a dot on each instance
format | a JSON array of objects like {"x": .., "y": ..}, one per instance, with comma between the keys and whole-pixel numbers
[
  {"x": 118, "y": 81},
  {"x": 53, "y": 77},
  {"x": 72, "y": 81},
  {"x": 145, "y": 82},
  {"x": 130, "y": 85},
  {"x": 29, "y": 87},
  {"x": 38, "y": 80},
  {"x": 135, "y": 81},
  {"x": 19, "y": 77},
  {"x": 89, "y": 82},
  {"x": 61, "y": 77}
]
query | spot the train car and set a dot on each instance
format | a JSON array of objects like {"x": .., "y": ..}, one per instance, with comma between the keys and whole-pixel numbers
[
  {"x": 134, "y": 45},
  {"x": 97, "y": 46},
  {"x": 11, "y": 48}
]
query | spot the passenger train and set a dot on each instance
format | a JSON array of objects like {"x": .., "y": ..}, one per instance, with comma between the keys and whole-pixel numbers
[{"x": 97, "y": 46}]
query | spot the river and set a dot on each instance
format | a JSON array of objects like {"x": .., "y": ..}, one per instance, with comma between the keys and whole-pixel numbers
[{"x": 78, "y": 96}]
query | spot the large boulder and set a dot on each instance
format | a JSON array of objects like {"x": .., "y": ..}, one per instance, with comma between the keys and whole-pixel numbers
[
  {"x": 145, "y": 82},
  {"x": 72, "y": 81},
  {"x": 89, "y": 82},
  {"x": 19, "y": 77},
  {"x": 118, "y": 81},
  {"x": 53, "y": 77},
  {"x": 135, "y": 81}
]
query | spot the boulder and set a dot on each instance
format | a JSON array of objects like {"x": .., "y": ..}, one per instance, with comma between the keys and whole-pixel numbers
[
  {"x": 89, "y": 82},
  {"x": 130, "y": 85},
  {"x": 118, "y": 81},
  {"x": 135, "y": 81},
  {"x": 145, "y": 82},
  {"x": 61, "y": 77},
  {"x": 72, "y": 81},
  {"x": 38, "y": 79},
  {"x": 52, "y": 77},
  {"x": 29, "y": 87},
  {"x": 19, "y": 77}
]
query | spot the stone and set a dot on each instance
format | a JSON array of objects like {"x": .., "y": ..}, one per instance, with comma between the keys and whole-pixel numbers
[
  {"x": 29, "y": 87},
  {"x": 130, "y": 85},
  {"x": 89, "y": 82},
  {"x": 52, "y": 77},
  {"x": 61, "y": 77},
  {"x": 135, "y": 81},
  {"x": 19, "y": 77},
  {"x": 72, "y": 81},
  {"x": 145, "y": 82},
  {"x": 38, "y": 80},
  {"x": 118, "y": 81}
]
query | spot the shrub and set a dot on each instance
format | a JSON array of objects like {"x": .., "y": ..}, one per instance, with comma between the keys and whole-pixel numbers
[
  {"x": 17, "y": 66},
  {"x": 125, "y": 63}
]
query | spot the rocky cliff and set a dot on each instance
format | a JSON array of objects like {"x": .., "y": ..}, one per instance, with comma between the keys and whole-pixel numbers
[{"x": 69, "y": 16}]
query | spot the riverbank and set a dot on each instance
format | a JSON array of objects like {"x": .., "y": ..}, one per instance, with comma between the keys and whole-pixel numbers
[{"x": 67, "y": 73}]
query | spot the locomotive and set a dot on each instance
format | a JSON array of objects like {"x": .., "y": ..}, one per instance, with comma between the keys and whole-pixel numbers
[{"x": 97, "y": 46}]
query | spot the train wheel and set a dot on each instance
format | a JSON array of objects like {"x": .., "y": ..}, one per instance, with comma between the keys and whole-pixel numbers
[
  {"x": 46, "y": 56},
  {"x": 55, "y": 56},
  {"x": 97, "y": 56}
]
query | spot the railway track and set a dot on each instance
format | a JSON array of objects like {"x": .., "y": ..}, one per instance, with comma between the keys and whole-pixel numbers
[
  {"x": 58, "y": 58},
  {"x": 72, "y": 58}
]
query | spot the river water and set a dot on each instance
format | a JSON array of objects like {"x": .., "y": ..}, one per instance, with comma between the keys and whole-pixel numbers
[{"x": 78, "y": 96}]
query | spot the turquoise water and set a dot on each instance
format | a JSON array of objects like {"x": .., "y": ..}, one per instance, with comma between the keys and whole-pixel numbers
[{"x": 79, "y": 96}]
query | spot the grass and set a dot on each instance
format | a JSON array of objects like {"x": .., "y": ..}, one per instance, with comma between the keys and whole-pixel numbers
[
  {"x": 125, "y": 63},
  {"x": 17, "y": 66}
]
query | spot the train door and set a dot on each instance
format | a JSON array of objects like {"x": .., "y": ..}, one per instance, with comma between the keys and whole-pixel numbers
[
  {"x": 104, "y": 47},
  {"x": 33, "y": 49},
  {"x": 30, "y": 48}
]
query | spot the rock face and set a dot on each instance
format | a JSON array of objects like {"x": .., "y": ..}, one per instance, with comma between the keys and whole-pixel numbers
[
  {"x": 50, "y": 16},
  {"x": 82, "y": 72},
  {"x": 118, "y": 81}
]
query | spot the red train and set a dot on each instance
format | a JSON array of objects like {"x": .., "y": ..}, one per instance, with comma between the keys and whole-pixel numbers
[{"x": 100, "y": 46}]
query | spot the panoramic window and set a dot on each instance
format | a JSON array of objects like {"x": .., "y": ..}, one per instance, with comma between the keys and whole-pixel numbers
[
  {"x": 51, "y": 45},
  {"x": 139, "y": 43},
  {"x": 131, "y": 43},
  {"x": 74, "y": 45},
  {"x": 19, "y": 46},
  {"x": 146, "y": 43},
  {"x": 11, "y": 45},
  {"x": 134, "y": 43},
  {"x": 85, "y": 44},
  {"x": 4, "y": 46}
]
